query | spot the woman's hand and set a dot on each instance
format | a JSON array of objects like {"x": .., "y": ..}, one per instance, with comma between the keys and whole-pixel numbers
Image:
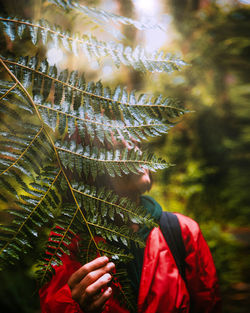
[{"x": 89, "y": 285}]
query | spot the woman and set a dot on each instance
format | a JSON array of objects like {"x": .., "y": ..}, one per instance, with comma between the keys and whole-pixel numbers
[{"x": 77, "y": 288}]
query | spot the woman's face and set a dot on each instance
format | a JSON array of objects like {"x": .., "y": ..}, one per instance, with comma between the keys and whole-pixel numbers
[{"x": 132, "y": 185}]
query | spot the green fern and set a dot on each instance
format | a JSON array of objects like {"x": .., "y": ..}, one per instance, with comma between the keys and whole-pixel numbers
[
  {"x": 57, "y": 133},
  {"x": 102, "y": 17},
  {"x": 17, "y": 29},
  {"x": 97, "y": 110}
]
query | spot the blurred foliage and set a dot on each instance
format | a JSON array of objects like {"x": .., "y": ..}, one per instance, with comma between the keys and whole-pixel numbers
[
  {"x": 211, "y": 147},
  {"x": 19, "y": 289}
]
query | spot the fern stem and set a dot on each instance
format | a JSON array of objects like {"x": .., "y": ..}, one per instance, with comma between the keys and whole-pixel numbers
[
  {"x": 8, "y": 91},
  {"x": 85, "y": 120},
  {"x": 112, "y": 231},
  {"x": 52, "y": 143},
  {"x": 78, "y": 207},
  {"x": 37, "y": 26},
  {"x": 88, "y": 249},
  {"x": 73, "y": 195},
  {"x": 108, "y": 203},
  {"x": 105, "y": 161},
  {"x": 105, "y": 252},
  {"x": 31, "y": 213},
  {"x": 26, "y": 149},
  {"x": 59, "y": 245},
  {"x": 79, "y": 41},
  {"x": 94, "y": 95},
  {"x": 119, "y": 273},
  {"x": 22, "y": 87}
]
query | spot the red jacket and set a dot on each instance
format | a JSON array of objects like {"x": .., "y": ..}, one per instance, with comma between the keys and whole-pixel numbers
[{"x": 162, "y": 290}]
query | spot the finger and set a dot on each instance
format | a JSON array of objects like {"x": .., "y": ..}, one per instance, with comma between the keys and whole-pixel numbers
[
  {"x": 93, "y": 276},
  {"x": 101, "y": 301},
  {"x": 98, "y": 285},
  {"x": 86, "y": 296},
  {"x": 78, "y": 275}
]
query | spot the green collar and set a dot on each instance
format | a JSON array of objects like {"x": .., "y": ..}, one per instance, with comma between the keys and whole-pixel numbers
[{"x": 154, "y": 209}]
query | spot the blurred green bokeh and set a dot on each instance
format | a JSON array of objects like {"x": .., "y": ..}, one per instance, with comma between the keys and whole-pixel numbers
[{"x": 211, "y": 146}]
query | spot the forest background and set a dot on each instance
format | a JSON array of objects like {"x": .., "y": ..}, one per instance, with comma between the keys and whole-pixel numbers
[{"x": 210, "y": 147}]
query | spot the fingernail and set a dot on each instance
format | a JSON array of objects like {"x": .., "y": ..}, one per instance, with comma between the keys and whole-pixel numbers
[
  {"x": 107, "y": 276},
  {"x": 105, "y": 258},
  {"x": 111, "y": 266},
  {"x": 109, "y": 290}
]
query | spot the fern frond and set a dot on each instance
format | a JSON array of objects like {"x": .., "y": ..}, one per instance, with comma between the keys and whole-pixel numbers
[
  {"x": 100, "y": 209},
  {"x": 54, "y": 125},
  {"x": 92, "y": 109},
  {"x": 109, "y": 205},
  {"x": 92, "y": 205},
  {"x": 138, "y": 58},
  {"x": 121, "y": 235},
  {"x": 88, "y": 248},
  {"x": 19, "y": 147},
  {"x": 97, "y": 225},
  {"x": 116, "y": 253},
  {"x": 127, "y": 298},
  {"x": 32, "y": 211},
  {"x": 59, "y": 240},
  {"x": 25, "y": 153},
  {"x": 86, "y": 160},
  {"x": 23, "y": 141},
  {"x": 70, "y": 222},
  {"x": 105, "y": 218},
  {"x": 24, "y": 144},
  {"x": 102, "y": 17}
]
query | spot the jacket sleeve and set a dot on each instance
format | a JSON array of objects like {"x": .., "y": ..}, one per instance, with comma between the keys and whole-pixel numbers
[
  {"x": 55, "y": 296},
  {"x": 201, "y": 277}
]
